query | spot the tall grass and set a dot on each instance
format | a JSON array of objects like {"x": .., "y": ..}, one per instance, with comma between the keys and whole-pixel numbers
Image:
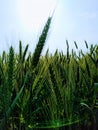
[{"x": 49, "y": 92}]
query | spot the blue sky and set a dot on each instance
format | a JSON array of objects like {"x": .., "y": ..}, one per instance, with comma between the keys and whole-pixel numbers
[{"x": 73, "y": 21}]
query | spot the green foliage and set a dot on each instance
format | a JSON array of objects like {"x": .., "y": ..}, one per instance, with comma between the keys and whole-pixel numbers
[{"x": 50, "y": 91}]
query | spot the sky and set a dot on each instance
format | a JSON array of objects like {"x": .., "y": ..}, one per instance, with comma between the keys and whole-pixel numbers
[{"x": 72, "y": 20}]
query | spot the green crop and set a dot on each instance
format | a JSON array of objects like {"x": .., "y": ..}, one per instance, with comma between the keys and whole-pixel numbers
[{"x": 51, "y": 91}]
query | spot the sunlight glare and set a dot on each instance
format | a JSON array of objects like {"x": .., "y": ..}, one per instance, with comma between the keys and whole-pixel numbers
[{"x": 34, "y": 13}]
